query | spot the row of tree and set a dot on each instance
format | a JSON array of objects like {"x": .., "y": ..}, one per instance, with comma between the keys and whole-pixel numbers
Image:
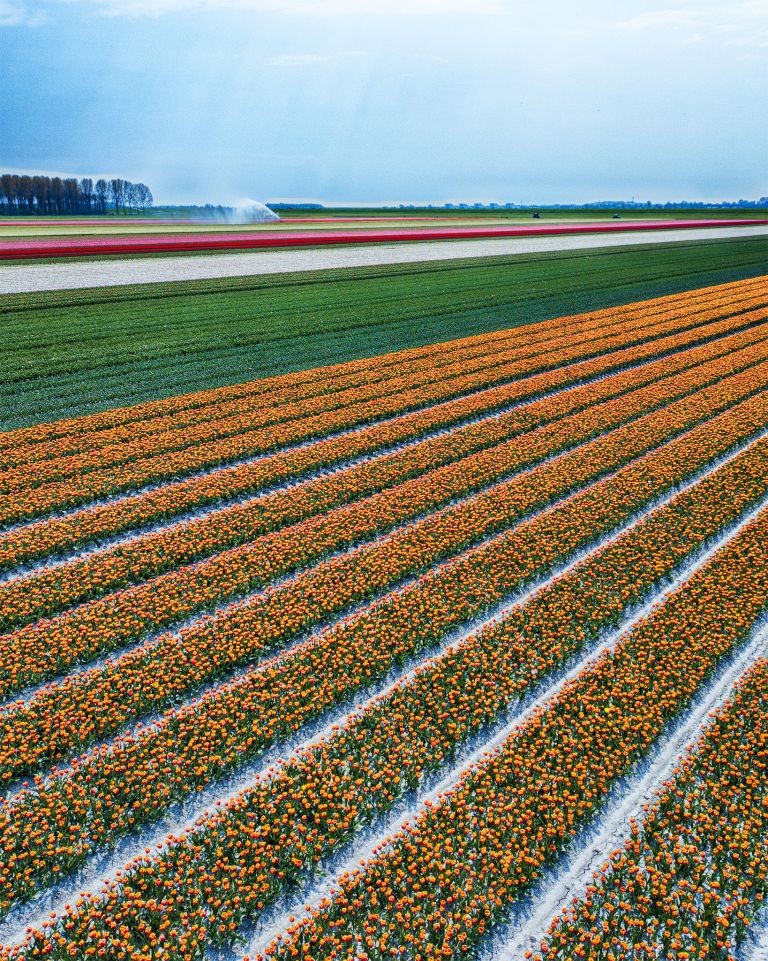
[{"x": 57, "y": 196}]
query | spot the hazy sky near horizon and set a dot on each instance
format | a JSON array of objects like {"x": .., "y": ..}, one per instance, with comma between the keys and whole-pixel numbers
[{"x": 391, "y": 100}]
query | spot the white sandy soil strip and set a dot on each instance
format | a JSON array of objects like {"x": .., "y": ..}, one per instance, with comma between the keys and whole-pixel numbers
[
  {"x": 24, "y": 278},
  {"x": 755, "y": 947}
]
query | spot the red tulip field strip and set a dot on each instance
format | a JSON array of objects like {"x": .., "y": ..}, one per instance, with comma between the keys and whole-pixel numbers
[
  {"x": 196, "y": 744},
  {"x": 81, "y": 426},
  {"x": 441, "y": 884},
  {"x": 694, "y": 873},
  {"x": 28, "y": 502},
  {"x": 528, "y": 341},
  {"x": 50, "y": 591},
  {"x": 42, "y": 650},
  {"x": 59, "y": 533},
  {"x": 26, "y": 248},
  {"x": 520, "y": 806}
]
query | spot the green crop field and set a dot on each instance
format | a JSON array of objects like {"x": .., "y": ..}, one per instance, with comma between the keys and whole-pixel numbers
[
  {"x": 72, "y": 353},
  {"x": 525, "y": 213}
]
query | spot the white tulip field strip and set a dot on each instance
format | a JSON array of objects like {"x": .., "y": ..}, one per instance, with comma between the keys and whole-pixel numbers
[
  {"x": 22, "y": 278},
  {"x": 255, "y": 636}
]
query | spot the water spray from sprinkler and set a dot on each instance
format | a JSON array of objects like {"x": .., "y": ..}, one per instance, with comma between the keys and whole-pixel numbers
[{"x": 249, "y": 211}]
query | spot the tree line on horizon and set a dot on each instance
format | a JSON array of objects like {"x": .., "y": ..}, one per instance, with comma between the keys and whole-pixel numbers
[{"x": 55, "y": 196}]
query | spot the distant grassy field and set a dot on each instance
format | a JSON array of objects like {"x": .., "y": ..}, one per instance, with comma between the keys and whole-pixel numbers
[
  {"x": 71, "y": 353},
  {"x": 525, "y": 213},
  {"x": 422, "y": 216}
]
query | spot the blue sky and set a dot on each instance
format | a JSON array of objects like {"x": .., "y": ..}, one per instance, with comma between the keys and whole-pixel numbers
[{"x": 410, "y": 100}]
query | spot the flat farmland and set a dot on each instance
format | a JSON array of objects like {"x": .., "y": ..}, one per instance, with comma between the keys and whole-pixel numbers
[
  {"x": 454, "y": 650},
  {"x": 75, "y": 352},
  {"x": 273, "y": 236}
]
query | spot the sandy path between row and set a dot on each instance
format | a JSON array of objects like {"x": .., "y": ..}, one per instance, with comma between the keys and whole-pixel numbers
[{"x": 25, "y": 278}]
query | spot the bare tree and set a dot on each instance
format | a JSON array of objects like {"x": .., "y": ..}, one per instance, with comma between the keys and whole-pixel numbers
[
  {"x": 57, "y": 195},
  {"x": 117, "y": 193},
  {"x": 40, "y": 194},
  {"x": 131, "y": 197},
  {"x": 6, "y": 193},
  {"x": 144, "y": 196},
  {"x": 102, "y": 195},
  {"x": 71, "y": 196},
  {"x": 40, "y": 190},
  {"x": 86, "y": 195},
  {"x": 26, "y": 193}
]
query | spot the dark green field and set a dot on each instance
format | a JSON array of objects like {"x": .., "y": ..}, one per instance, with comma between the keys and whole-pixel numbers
[{"x": 77, "y": 352}]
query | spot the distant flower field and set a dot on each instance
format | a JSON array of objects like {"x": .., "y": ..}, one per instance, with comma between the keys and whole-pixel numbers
[
  {"x": 169, "y": 238},
  {"x": 357, "y": 662}
]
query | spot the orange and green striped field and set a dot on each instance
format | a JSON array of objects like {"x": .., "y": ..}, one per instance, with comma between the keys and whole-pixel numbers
[{"x": 373, "y": 660}]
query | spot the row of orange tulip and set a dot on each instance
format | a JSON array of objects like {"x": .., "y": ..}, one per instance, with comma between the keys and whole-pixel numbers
[
  {"x": 57, "y": 534},
  {"x": 288, "y": 386},
  {"x": 443, "y": 882},
  {"x": 380, "y": 376},
  {"x": 19, "y": 477},
  {"x": 39, "y": 651},
  {"x": 50, "y": 591},
  {"x": 440, "y": 885},
  {"x": 48, "y": 831},
  {"x": 693, "y": 875},
  {"x": 136, "y": 468}
]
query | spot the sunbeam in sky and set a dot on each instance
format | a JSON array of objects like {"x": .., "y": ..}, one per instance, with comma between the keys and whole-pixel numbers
[{"x": 392, "y": 100}]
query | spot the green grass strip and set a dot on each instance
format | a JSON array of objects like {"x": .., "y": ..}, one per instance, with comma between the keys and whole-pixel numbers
[{"x": 67, "y": 353}]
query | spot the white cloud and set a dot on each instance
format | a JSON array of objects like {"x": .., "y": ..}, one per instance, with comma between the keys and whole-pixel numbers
[
  {"x": 662, "y": 18},
  {"x": 297, "y": 60},
  {"x": 20, "y": 15},
  {"x": 318, "y": 8},
  {"x": 737, "y": 24}
]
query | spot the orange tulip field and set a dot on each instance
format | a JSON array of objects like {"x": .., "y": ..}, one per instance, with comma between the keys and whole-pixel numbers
[{"x": 363, "y": 662}]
